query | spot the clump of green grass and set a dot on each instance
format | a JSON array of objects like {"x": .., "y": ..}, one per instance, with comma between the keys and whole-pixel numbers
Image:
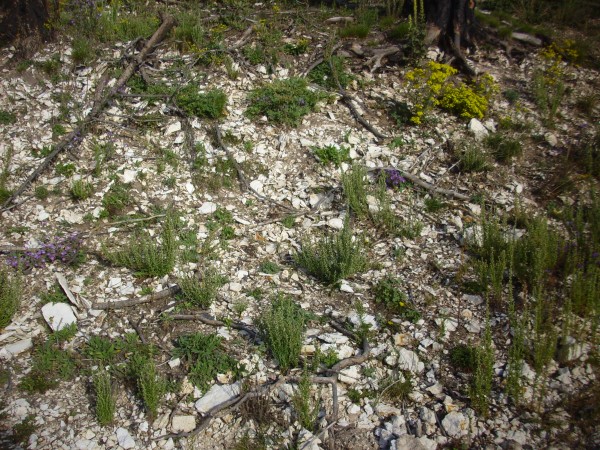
[
  {"x": 357, "y": 30},
  {"x": 82, "y": 50},
  {"x": 333, "y": 257},
  {"x": 41, "y": 192},
  {"x": 331, "y": 154},
  {"x": 81, "y": 190},
  {"x": 387, "y": 293},
  {"x": 204, "y": 357},
  {"x": 151, "y": 386},
  {"x": 397, "y": 387},
  {"x": 283, "y": 101},
  {"x": 10, "y": 296},
  {"x": 201, "y": 292},
  {"x": 5, "y": 193},
  {"x": 55, "y": 294},
  {"x": 144, "y": 255},
  {"x": 50, "y": 365},
  {"x": 7, "y": 118},
  {"x": 269, "y": 267},
  {"x": 433, "y": 204},
  {"x": 282, "y": 328},
  {"x": 472, "y": 158},
  {"x": 306, "y": 408},
  {"x": 503, "y": 148},
  {"x": 105, "y": 399},
  {"x": 209, "y": 105},
  {"x": 324, "y": 76},
  {"x": 65, "y": 169},
  {"x": 464, "y": 357}
]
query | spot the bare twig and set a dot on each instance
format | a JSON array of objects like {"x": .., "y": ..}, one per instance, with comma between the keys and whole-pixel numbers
[
  {"x": 209, "y": 320},
  {"x": 348, "y": 101},
  {"x": 166, "y": 293},
  {"x": 430, "y": 187},
  {"x": 375, "y": 61}
]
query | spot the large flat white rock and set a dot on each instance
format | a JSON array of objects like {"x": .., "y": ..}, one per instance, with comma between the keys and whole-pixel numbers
[
  {"x": 216, "y": 395},
  {"x": 58, "y": 315}
]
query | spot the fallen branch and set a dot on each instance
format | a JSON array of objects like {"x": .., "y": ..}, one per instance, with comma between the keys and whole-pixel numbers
[
  {"x": 348, "y": 101},
  {"x": 375, "y": 61},
  {"x": 208, "y": 320},
  {"x": 427, "y": 186},
  {"x": 75, "y": 136},
  {"x": 242, "y": 40},
  {"x": 166, "y": 293}
]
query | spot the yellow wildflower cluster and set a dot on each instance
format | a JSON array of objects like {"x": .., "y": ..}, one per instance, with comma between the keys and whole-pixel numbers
[{"x": 432, "y": 86}]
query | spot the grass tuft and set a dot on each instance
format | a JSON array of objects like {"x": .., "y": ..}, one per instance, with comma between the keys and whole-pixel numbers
[
  {"x": 105, "y": 399},
  {"x": 10, "y": 296},
  {"x": 282, "y": 329},
  {"x": 146, "y": 257},
  {"x": 333, "y": 257}
]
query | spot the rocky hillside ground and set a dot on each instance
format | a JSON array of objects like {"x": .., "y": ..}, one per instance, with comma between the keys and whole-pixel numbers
[{"x": 217, "y": 253}]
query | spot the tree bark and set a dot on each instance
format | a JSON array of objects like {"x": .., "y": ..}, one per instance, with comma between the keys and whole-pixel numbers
[
  {"x": 24, "y": 23},
  {"x": 455, "y": 20}
]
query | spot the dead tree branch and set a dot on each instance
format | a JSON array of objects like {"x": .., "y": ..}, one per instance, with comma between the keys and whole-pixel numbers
[
  {"x": 166, "y": 293},
  {"x": 427, "y": 186},
  {"x": 72, "y": 139},
  {"x": 349, "y": 102}
]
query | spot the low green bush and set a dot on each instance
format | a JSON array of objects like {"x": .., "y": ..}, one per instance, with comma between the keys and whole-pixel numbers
[
  {"x": 209, "y": 105},
  {"x": 283, "y": 101},
  {"x": 282, "y": 328},
  {"x": 333, "y": 257}
]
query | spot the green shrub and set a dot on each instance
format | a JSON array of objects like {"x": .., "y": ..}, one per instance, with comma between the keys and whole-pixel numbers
[
  {"x": 146, "y": 257},
  {"x": 282, "y": 328},
  {"x": 333, "y": 257},
  {"x": 7, "y": 118},
  {"x": 323, "y": 76},
  {"x": 307, "y": 409},
  {"x": 503, "y": 148},
  {"x": 81, "y": 190},
  {"x": 283, "y": 101},
  {"x": 105, "y": 399},
  {"x": 331, "y": 154},
  {"x": 354, "y": 184},
  {"x": 152, "y": 387},
  {"x": 10, "y": 296},
  {"x": 201, "y": 292},
  {"x": 205, "y": 358},
  {"x": 210, "y": 105},
  {"x": 50, "y": 365}
]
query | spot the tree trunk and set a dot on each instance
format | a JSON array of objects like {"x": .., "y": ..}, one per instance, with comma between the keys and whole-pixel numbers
[
  {"x": 453, "y": 21},
  {"x": 23, "y": 23}
]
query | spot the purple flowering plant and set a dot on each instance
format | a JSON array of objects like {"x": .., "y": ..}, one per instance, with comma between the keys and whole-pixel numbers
[
  {"x": 63, "y": 249},
  {"x": 393, "y": 178}
]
